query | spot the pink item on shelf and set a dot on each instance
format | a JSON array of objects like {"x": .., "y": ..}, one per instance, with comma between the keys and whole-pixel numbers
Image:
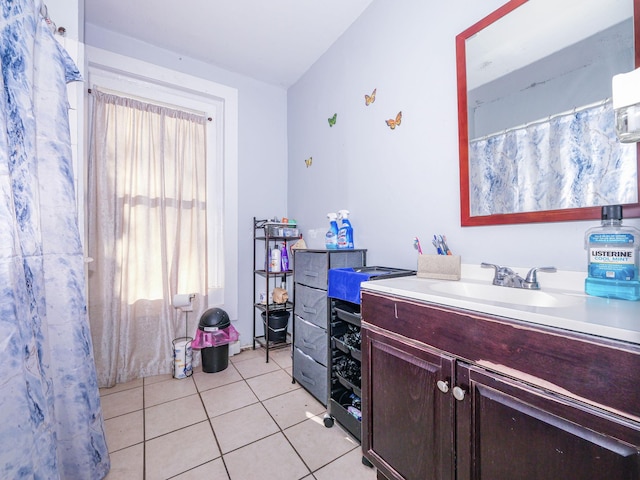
[{"x": 214, "y": 339}]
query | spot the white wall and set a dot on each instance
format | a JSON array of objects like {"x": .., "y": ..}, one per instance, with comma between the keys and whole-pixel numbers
[
  {"x": 262, "y": 149},
  {"x": 401, "y": 183}
]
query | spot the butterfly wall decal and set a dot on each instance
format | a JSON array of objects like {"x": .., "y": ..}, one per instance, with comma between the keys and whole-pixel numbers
[
  {"x": 394, "y": 123},
  {"x": 369, "y": 99},
  {"x": 332, "y": 120},
  {"x": 308, "y": 162}
]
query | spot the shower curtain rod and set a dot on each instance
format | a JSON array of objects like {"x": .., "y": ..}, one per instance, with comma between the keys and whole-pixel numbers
[
  {"x": 90, "y": 91},
  {"x": 545, "y": 119}
]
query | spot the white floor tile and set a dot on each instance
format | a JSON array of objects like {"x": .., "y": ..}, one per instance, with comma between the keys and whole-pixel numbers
[
  {"x": 125, "y": 430},
  {"x": 170, "y": 416},
  {"x": 317, "y": 444},
  {"x": 171, "y": 389},
  {"x": 180, "y": 451},
  {"x": 172, "y": 428},
  {"x": 347, "y": 466},
  {"x": 293, "y": 407},
  {"x": 119, "y": 403},
  {"x": 241, "y": 427},
  {"x": 255, "y": 366},
  {"x": 227, "y": 398},
  {"x": 281, "y": 356},
  {"x": 127, "y": 464},
  {"x": 271, "y": 457},
  {"x": 214, "y": 470},
  {"x": 272, "y": 384},
  {"x": 207, "y": 381},
  {"x": 121, "y": 386}
]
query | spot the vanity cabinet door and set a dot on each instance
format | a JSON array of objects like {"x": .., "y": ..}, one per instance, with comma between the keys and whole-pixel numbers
[
  {"x": 507, "y": 429},
  {"x": 407, "y": 422}
]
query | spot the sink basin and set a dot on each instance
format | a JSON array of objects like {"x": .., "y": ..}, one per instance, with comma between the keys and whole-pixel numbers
[{"x": 514, "y": 296}]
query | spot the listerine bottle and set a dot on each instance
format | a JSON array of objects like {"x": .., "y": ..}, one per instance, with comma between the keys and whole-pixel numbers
[{"x": 613, "y": 257}]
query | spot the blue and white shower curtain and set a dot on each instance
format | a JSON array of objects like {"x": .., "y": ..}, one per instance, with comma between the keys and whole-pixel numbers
[
  {"x": 51, "y": 423},
  {"x": 570, "y": 161}
]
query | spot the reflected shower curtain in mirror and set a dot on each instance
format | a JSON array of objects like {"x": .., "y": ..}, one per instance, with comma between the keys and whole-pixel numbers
[
  {"x": 569, "y": 161},
  {"x": 51, "y": 423},
  {"x": 147, "y": 233}
]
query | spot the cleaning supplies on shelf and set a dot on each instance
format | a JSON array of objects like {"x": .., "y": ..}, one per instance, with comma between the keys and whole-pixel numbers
[
  {"x": 284, "y": 256},
  {"x": 345, "y": 233},
  {"x": 331, "y": 238},
  {"x": 276, "y": 260},
  {"x": 613, "y": 262}
]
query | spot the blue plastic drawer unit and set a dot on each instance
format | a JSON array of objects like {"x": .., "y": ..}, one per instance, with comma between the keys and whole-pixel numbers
[{"x": 344, "y": 283}]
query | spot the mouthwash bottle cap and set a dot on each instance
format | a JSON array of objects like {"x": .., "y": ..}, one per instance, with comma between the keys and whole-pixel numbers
[{"x": 612, "y": 212}]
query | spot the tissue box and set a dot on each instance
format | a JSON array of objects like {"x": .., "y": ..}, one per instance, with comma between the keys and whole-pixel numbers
[{"x": 440, "y": 267}]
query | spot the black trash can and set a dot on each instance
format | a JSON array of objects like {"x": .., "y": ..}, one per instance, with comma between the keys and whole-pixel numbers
[
  {"x": 214, "y": 359},
  {"x": 278, "y": 323}
]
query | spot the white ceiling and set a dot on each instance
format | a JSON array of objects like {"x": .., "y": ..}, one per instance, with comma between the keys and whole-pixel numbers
[
  {"x": 558, "y": 24},
  {"x": 275, "y": 41}
]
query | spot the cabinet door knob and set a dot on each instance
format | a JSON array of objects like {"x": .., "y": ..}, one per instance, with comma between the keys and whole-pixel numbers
[
  {"x": 443, "y": 386},
  {"x": 458, "y": 393}
]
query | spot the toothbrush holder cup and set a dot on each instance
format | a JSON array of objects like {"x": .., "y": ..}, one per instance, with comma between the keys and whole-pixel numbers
[{"x": 439, "y": 267}]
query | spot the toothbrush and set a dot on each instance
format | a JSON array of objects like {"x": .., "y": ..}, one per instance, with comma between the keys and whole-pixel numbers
[
  {"x": 416, "y": 245},
  {"x": 445, "y": 247},
  {"x": 436, "y": 244}
]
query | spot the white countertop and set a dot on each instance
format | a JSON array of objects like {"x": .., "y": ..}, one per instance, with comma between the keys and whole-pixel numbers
[{"x": 610, "y": 318}]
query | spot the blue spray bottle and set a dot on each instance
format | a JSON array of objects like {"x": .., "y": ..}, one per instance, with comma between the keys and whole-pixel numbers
[
  {"x": 331, "y": 238},
  {"x": 345, "y": 233}
]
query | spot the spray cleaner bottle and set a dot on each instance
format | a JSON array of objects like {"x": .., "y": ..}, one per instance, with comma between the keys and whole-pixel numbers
[
  {"x": 345, "y": 233},
  {"x": 613, "y": 257},
  {"x": 331, "y": 238}
]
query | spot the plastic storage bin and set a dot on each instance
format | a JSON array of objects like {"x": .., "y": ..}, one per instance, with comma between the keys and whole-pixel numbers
[
  {"x": 277, "y": 325},
  {"x": 213, "y": 337}
]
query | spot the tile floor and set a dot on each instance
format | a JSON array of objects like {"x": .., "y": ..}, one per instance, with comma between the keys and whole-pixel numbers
[{"x": 246, "y": 422}]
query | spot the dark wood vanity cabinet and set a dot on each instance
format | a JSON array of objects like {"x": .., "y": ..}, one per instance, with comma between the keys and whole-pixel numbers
[{"x": 450, "y": 394}]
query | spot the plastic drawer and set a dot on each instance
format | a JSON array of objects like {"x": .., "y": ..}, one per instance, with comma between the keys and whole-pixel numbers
[
  {"x": 338, "y": 343},
  {"x": 311, "y": 269},
  {"x": 348, "y": 314},
  {"x": 311, "y": 375},
  {"x": 312, "y": 340},
  {"x": 311, "y": 305}
]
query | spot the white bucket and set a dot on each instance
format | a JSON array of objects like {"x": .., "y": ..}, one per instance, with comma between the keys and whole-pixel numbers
[{"x": 182, "y": 356}]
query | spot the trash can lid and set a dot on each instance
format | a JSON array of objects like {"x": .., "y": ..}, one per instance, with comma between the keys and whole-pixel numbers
[{"x": 214, "y": 317}]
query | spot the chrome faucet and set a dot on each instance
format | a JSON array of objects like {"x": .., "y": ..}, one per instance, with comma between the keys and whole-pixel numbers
[{"x": 506, "y": 277}]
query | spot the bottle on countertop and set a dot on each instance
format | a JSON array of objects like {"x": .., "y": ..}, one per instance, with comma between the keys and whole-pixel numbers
[{"x": 613, "y": 262}]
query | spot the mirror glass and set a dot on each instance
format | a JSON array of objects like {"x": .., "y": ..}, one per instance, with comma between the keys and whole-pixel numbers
[{"x": 536, "y": 124}]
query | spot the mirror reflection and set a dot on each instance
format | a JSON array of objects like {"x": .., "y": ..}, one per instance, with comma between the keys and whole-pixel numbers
[{"x": 539, "y": 133}]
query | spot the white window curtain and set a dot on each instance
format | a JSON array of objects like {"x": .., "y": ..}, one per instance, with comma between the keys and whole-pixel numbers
[{"x": 147, "y": 211}]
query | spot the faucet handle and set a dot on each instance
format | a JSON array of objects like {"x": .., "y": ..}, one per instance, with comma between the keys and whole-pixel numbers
[
  {"x": 496, "y": 269},
  {"x": 531, "y": 282},
  {"x": 500, "y": 273}
]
